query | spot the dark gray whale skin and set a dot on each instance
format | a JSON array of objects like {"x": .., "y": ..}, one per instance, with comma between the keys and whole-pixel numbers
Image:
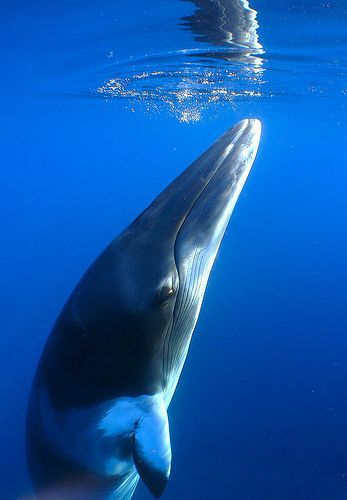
[{"x": 97, "y": 416}]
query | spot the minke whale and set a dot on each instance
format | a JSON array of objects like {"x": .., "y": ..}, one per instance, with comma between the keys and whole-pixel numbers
[{"x": 97, "y": 415}]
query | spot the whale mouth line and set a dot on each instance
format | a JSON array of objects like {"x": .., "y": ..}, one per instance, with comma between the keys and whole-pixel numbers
[
  {"x": 228, "y": 151},
  {"x": 246, "y": 123},
  {"x": 202, "y": 257}
]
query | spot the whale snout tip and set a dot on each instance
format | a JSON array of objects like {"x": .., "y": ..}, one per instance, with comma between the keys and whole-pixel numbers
[
  {"x": 255, "y": 127},
  {"x": 249, "y": 132},
  {"x": 248, "y": 129}
]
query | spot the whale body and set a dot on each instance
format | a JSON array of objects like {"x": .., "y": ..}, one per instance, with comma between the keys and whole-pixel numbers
[{"x": 97, "y": 415}]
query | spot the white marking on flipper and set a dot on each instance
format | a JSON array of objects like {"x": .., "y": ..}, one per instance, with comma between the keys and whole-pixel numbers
[{"x": 152, "y": 449}]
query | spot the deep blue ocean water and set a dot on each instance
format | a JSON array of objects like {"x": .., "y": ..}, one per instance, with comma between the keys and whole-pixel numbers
[{"x": 102, "y": 104}]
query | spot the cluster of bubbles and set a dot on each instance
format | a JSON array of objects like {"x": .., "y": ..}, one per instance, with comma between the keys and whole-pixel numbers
[
  {"x": 224, "y": 64},
  {"x": 186, "y": 89}
]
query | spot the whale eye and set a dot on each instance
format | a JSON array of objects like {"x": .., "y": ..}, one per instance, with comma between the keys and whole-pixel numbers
[{"x": 165, "y": 293}]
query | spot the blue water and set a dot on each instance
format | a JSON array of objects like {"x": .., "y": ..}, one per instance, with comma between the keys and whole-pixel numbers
[{"x": 102, "y": 104}]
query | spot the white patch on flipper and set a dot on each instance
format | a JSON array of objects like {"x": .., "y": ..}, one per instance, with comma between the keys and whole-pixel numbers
[
  {"x": 101, "y": 438},
  {"x": 152, "y": 449}
]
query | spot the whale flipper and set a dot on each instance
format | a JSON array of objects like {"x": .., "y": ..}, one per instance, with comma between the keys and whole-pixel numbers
[{"x": 152, "y": 449}]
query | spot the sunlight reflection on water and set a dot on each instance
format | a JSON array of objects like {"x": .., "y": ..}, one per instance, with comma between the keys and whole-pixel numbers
[{"x": 224, "y": 63}]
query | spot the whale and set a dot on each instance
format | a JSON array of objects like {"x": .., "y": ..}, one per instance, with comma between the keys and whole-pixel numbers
[{"x": 97, "y": 416}]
